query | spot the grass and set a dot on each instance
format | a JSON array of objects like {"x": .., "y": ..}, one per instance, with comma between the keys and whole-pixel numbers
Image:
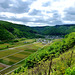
[
  {"x": 6, "y": 61},
  {"x": 7, "y": 52},
  {"x": 20, "y": 55},
  {"x": 15, "y": 44},
  {"x": 15, "y": 58},
  {"x": 32, "y": 47},
  {"x": 1, "y": 68},
  {"x": 26, "y": 52},
  {"x": 4, "y": 46},
  {"x": 30, "y": 50},
  {"x": 39, "y": 44},
  {"x": 13, "y": 67},
  {"x": 30, "y": 40}
]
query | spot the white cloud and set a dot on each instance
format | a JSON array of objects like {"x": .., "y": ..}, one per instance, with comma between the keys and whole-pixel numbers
[
  {"x": 38, "y": 12},
  {"x": 7, "y": 14}
]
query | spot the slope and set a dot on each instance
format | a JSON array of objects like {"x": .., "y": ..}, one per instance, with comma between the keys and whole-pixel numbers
[
  {"x": 9, "y": 31},
  {"x": 54, "y": 50},
  {"x": 56, "y": 30}
]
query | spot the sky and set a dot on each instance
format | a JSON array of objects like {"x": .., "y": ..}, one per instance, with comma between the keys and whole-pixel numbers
[{"x": 38, "y": 12}]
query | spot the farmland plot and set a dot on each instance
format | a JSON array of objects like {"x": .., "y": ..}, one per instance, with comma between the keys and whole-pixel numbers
[
  {"x": 7, "y": 52},
  {"x": 17, "y": 54}
]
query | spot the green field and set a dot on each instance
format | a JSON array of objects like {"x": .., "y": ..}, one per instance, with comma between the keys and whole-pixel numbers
[
  {"x": 16, "y": 54},
  {"x": 7, "y": 52},
  {"x": 15, "y": 44}
]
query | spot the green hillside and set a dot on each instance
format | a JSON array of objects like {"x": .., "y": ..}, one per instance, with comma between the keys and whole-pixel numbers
[
  {"x": 62, "y": 65},
  {"x": 10, "y": 31},
  {"x": 55, "y": 30}
]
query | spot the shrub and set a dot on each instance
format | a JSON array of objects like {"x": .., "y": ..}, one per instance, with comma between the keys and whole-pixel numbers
[
  {"x": 70, "y": 71},
  {"x": 1, "y": 42},
  {"x": 16, "y": 40},
  {"x": 22, "y": 39}
]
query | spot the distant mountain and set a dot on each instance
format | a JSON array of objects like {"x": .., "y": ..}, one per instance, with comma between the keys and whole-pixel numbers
[{"x": 55, "y": 30}]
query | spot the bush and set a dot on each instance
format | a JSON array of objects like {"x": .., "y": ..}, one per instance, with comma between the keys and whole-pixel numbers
[
  {"x": 70, "y": 71},
  {"x": 16, "y": 40},
  {"x": 22, "y": 39},
  {"x": 1, "y": 42}
]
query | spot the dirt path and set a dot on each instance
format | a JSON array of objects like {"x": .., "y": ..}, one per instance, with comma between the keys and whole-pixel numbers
[{"x": 3, "y": 65}]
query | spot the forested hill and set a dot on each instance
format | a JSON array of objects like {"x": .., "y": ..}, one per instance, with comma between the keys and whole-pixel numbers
[
  {"x": 56, "y": 30},
  {"x": 10, "y": 31}
]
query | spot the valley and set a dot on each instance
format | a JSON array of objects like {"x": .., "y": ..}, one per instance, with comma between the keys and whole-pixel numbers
[
  {"x": 28, "y": 50},
  {"x": 37, "y": 37},
  {"x": 14, "y": 57}
]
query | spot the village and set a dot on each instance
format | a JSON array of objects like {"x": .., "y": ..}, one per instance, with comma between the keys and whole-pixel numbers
[{"x": 47, "y": 39}]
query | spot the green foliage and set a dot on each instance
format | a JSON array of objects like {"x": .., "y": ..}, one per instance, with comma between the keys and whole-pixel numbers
[
  {"x": 9, "y": 31},
  {"x": 1, "y": 42},
  {"x": 22, "y": 39},
  {"x": 70, "y": 71},
  {"x": 55, "y": 30},
  {"x": 16, "y": 41},
  {"x": 6, "y": 62},
  {"x": 5, "y": 35}
]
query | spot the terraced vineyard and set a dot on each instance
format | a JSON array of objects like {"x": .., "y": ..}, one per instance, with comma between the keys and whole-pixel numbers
[{"x": 14, "y": 57}]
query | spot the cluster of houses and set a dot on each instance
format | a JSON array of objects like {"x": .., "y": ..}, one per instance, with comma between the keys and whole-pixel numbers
[
  {"x": 44, "y": 41},
  {"x": 48, "y": 39}
]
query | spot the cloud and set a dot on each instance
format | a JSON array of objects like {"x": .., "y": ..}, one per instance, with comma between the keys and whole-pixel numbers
[
  {"x": 35, "y": 12},
  {"x": 70, "y": 11},
  {"x": 15, "y": 6},
  {"x": 46, "y": 4},
  {"x": 70, "y": 14},
  {"x": 5, "y": 4},
  {"x": 38, "y": 12}
]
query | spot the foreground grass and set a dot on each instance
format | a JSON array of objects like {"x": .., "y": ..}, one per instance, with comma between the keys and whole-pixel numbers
[{"x": 7, "y": 52}]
